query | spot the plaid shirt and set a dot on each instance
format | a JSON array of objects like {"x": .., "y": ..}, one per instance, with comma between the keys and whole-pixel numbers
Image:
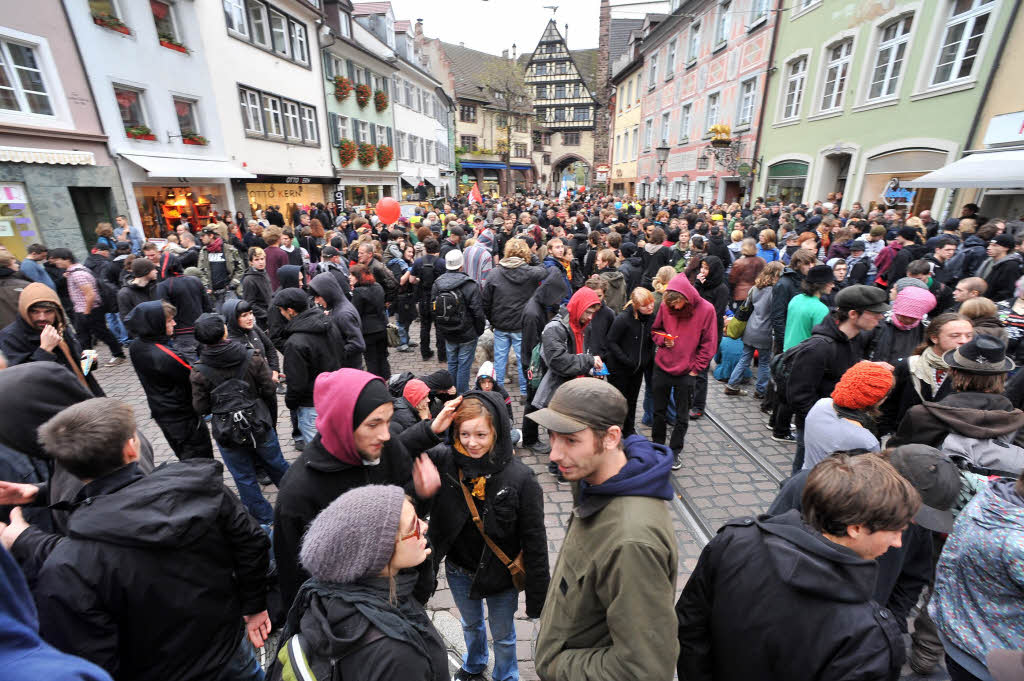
[{"x": 78, "y": 275}]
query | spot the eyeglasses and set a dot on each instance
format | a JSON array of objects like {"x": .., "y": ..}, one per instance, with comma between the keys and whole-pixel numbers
[{"x": 415, "y": 533}]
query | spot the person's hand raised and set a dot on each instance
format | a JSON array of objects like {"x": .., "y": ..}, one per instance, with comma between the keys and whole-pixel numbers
[
  {"x": 49, "y": 338},
  {"x": 425, "y": 477},
  {"x": 17, "y": 493},
  {"x": 443, "y": 420}
]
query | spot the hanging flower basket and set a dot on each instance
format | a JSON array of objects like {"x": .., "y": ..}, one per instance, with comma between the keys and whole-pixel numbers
[
  {"x": 367, "y": 154},
  {"x": 384, "y": 155},
  {"x": 347, "y": 149},
  {"x": 111, "y": 22},
  {"x": 342, "y": 88},
  {"x": 362, "y": 95},
  {"x": 140, "y": 132},
  {"x": 380, "y": 100},
  {"x": 191, "y": 138}
]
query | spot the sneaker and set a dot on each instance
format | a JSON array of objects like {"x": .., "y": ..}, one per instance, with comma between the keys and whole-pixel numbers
[
  {"x": 696, "y": 413},
  {"x": 264, "y": 479},
  {"x": 116, "y": 361},
  {"x": 427, "y": 354},
  {"x": 729, "y": 390},
  {"x": 677, "y": 461},
  {"x": 758, "y": 396},
  {"x": 540, "y": 448},
  {"x": 788, "y": 437},
  {"x": 413, "y": 345},
  {"x": 463, "y": 675},
  {"x": 404, "y": 348},
  {"x": 299, "y": 443}
]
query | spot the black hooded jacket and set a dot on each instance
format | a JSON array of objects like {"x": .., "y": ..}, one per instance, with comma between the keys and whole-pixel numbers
[
  {"x": 253, "y": 338},
  {"x": 784, "y": 290},
  {"x": 188, "y": 295},
  {"x": 507, "y": 289},
  {"x": 225, "y": 358},
  {"x": 827, "y": 355},
  {"x": 540, "y": 309},
  {"x": 512, "y": 511},
  {"x": 312, "y": 347},
  {"x": 814, "y": 620},
  {"x": 288, "y": 277},
  {"x": 474, "y": 323},
  {"x": 131, "y": 295},
  {"x": 257, "y": 292},
  {"x": 345, "y": 317},
  {"x": 164, "y": 375},
  {"x": 368, "y": 300},
  {"x": 714, "y": 289},
  {"x": 630, "y": 348},
  {"x": 156, "y": 573},
  {"x": 972, "y": 414}
]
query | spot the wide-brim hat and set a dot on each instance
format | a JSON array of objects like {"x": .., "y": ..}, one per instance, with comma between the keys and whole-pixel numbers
[{"x": 983, "y": 355}]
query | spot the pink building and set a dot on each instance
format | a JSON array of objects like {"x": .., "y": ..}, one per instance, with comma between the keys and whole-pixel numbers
[{"x": 703, "y": 64}]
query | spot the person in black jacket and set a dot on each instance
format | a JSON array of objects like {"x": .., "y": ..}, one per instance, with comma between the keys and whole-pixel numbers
[
  {"x": 601, "y": 324},
  {"x": 1002, "y": 269},
  {"x": 853, "y": 511},
  {"x": 256, "y": 288},
  {"x": 289, "y": 276},
  {"x": 328, "y": 294},
  {"x": 164, "y": 376},
  {"x": 632, "y": 266},
  {"x": 710, "y": 284},
  {"x": 630, "y": 355},
  {"x": 108, "y": 592},
  {"x": 368, "y": 301},
  {"x": 654, "y": 256},
  {"x": 310, "y": 349},
  {"x": 240, "y": 318},
  {"x": 460, "y": 336},
  {"x": 352, "y": 448},
  {"x": 189, "y": 298},
  {"x": 479, "y": 465},
  {"x": 536, "y": 314},
  {"x": 784, "y": 291},
  {"x": 425, "y": 271},
  {"x": 140, "y": 289},
  {"x": 506, "y": 290}
]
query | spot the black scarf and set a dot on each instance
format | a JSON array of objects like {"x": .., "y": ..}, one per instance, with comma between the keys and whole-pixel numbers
[{"x": 862, "y": 417}]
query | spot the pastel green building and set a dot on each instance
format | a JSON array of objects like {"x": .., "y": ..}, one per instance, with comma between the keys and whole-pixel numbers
[{"x": 870, "y": 94}]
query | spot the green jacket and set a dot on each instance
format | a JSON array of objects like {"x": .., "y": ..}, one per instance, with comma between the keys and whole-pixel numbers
[
  {"x": 609, "y": 611},
  {"x": 233, "y": 261}
]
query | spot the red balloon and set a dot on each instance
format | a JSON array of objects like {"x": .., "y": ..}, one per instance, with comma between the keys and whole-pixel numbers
[{"x": 388, "y": 210}]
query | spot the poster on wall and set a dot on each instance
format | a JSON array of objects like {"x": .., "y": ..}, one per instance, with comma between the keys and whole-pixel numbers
[
  {"x": 6, "y": 227},
  {"x": 17, "y": 225}
]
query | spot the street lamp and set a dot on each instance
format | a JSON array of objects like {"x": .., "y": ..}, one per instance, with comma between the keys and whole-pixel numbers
[
  {"x": 686, "y": 184},
  {"x": 662, "y": 155},
  {"x": 702, "y": 161}
]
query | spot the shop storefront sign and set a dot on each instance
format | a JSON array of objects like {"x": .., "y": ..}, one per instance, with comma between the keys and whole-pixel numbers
[
  {"x": 895, "y": 194},
  {"x": 1005, "y": 129},
  {"x": 298, "y": 180}
]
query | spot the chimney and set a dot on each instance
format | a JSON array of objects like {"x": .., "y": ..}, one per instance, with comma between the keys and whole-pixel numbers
[
  {"x": 462, "y": 44},
  {"x": 504, "y": 54},
  {"x": 418, "y": 29}
]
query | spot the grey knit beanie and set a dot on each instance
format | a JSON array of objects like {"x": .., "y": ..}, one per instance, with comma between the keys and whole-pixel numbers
[{"x": 354, "y": 537}]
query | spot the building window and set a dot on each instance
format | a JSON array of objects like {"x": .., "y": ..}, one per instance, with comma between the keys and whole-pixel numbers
[
  {"x": 252, "y": 118},
  {"x": 467, "y": 112},
  {"x": 272, "y": 113},
  {"x": 713, "y": 111},
  {"x": 468, "y": 142},
  {"x": 382, "y": 135},
  {"x": 541, "y": 69},
  {"x": 724, "y": 23},
  {"x": 581, "y": 113},
  {"x": 560, "y": 114},
  {"x": 758, "y": 10},
  {"x": 665, "y": 124},
  {"x": 362, "y": 132},
  {"x": 571, "y": 139},
  {"x": 163, "y": 19},
  {"x": 964, "y": 31},
  {"x": 519, "y": 150},
  {"x": 685, "y": 120},
  {"x": 892, "y": 49},
  {"x": 629, "y": 93},
  {"x": 346, "y": 25},
  {"x": 748, "y": 94},
  {"x": 309, "y": 127},
  {"x": 546, "y": 159},
  {"x": 836, "y": 70},
  {"x": 341, "y": 123},
  {"x": 258, "y": 24},
  {"x": 796, "y": 76},
  {"x": 648, "y": 133},
  {"x": 636, "y": 141},
  {"x": 234, "y": 14},
  {"x": 520, "y": 124},
  {"x": 561, "y": 67},
  {"x": 188, "y": 122},
  {"x": 618, "y": 148},
  {"x": 652, "y": 74},
  {"x": 21, "y": 80},
  {"x": 670, "y": 59},
  {"x": 129, "y": 102},
  {"x": 279, "y": 33},
  {"x": 291, "y": 120},
  {"x": 400, "y": 143},
  {"x": 299, "y": 45},
  {"x": 560, "y": 91},
  {"x": 693, "y": 51}
]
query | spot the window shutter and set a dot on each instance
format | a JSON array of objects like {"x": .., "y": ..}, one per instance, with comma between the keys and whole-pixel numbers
[
  {"x": 351, "y": 71},
  {"x": 373, "y": 134},
  {"x": 390, "y": 143},
  {"x": 332, "y": 128}
]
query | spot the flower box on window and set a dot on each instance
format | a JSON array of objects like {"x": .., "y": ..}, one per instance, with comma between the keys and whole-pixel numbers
[
  {"x": 347, "y": 151},
  {"x": 384, "y": 155},
  {"x": 380, "y": 100},
  {"x": 171, "y": 43},
  {"x": 190, "y": 138},
  {"x": 363, "y": 95},
  {"x": 140, "y": 132},
  {"x": 111, "y": 22},
  {"x": 367, "y": 154},
  {"x": 342, "y": 88}
]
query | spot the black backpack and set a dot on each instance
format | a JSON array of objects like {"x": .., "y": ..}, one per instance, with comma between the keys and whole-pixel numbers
[
  {"x": 108, "y": 290},
  {"x": 782, "y": 365},
  {"x": 240, "y": 418},
  {"x": 450, "y": 310},
  {"x": 427, "y": 280}
]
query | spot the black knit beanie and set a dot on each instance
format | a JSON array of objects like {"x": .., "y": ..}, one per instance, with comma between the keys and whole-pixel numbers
[{"x": 373, "y": 395}]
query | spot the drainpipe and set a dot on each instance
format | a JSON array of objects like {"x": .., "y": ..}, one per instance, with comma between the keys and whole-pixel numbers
[{"x": 777, "y": 18}]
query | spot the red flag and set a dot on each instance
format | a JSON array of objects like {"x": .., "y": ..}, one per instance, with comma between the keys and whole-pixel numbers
[{"x": 474, "y": 194}]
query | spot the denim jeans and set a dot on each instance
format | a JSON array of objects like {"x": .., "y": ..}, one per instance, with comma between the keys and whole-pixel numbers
[
  {"x": 307, "y": 422},
  {"x": 243, "y": 665},
  {"x": 502, "y": 341},
  {"x": 403, "y": 333},
  {"x": 501, "y": 610},
  {"x": 116, "y": 327},
  {"x": 240, "y": 463},
  {"x": 764, "y": 369},
  {"x": 460, "y": 362}
]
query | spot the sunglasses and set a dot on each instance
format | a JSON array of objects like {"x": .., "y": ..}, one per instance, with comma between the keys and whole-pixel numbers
[{"x": 415, "y": 533}]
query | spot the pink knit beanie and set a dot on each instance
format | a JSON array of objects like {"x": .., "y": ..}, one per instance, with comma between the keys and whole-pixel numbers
[{"x": 913, "y": 302}]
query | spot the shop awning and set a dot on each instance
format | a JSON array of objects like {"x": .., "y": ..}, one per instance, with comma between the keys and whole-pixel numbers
[
  {"x": 64, "y": 157},
  {"x": 411, "y": 180},
  {"x": 992, "y": 170},
  {"x": 433, "y": 181},
  {"x": 162, "y": 166}
]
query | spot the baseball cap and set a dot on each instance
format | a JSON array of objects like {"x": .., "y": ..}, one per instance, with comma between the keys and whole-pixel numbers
[
  {"x": 582, "y": 403},
  {"x": 453, "y": 261},
  {"x": 908, "y": 233},
  {"x": 329, "y": 252},
  {"x": 861, "y": 297},
  {"x": 935, "y": 477}
]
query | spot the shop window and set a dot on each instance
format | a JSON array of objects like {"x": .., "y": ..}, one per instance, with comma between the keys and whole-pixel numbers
[
  {"x": 279, "y": 33},
  {"x": 234, "y": 15},
  {"x": 571, "y": 139},
  {"x": 129, "y": 102},
  {"x": 892, "y": 48},
  {"x": 300, "y": 47},
  {"x": 292, "y": 126},
  {"x": 468, "y": 142},
  {"x": 258, "y": 24},
  {"x": 309, "y": 127},
  {"x": 22, "y": 87},
  {"x": 964, "y": 30},
  {"x": 836, "y": 71},
  {"x": 163, "y": 18},
  {"x": 272, "y": 113},
  {"x": 252, "y": 118},
  {"x": 748, "y": 95},
  {"x": 796, "y": 77},
  {"x": 188, "y": 122}
]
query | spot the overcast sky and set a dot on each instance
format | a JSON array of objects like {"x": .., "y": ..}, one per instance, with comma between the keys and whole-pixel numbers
[{"x": 493, "y": 25}]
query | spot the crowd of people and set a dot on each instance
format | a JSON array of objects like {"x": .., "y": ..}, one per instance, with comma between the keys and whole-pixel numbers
[{"x": 881, "y": 346}]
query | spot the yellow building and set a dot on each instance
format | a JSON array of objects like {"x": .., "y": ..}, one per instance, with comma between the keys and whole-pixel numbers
[{"x": 624, "y": 135}]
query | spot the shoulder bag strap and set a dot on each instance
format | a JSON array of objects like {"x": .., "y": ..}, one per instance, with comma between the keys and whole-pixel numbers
[
  {"x": 480, "y": 525},
  {"x": 173, "y": 354}
]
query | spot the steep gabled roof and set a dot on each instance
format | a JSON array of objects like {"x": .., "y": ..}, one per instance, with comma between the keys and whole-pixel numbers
[
  {"x": 586, "y": 63},
  {"x": 403, "y": 26},
  {"x": 367, "y": 8},
  {"x": 469, "y": 67},
  {"x": 618, "y": 36}
]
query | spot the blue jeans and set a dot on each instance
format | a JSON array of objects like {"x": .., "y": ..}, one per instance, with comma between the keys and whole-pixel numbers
[
  {"x": 116, "y": 327},
  {"x": 307, "y": 422},
  {"x": 460, "y": 362},
  {"x": 502, "y": 341},
  {"x": 239, "y": 462},
  {"x": 403, "y": 333},
  {"x": 243, "y": 665},
  {"x": 501, "y": 611},
  {"x": 764, "y": 369}
]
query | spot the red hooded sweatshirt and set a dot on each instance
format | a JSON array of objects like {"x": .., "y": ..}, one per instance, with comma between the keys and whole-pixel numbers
[
  {"x": 578, "y": 304},
  {"x": 694, "y": 327}
]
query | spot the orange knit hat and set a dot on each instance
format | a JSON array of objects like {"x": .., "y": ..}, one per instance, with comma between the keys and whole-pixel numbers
[{"x": 863, "y": 385}]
